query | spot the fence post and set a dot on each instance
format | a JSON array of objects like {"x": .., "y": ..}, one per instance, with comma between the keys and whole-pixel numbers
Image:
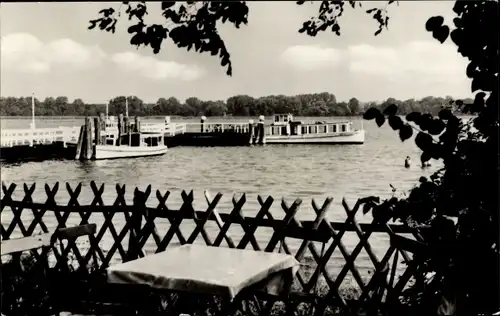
[{"x": 136, "y": 224}]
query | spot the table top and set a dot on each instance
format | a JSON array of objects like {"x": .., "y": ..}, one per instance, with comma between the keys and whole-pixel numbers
[
  {"x": 203, "y": 269},
  {"x": 11, "y": 246}
]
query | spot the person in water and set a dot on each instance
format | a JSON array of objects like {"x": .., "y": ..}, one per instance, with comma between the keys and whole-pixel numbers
[{"x": 407, "y": 162}]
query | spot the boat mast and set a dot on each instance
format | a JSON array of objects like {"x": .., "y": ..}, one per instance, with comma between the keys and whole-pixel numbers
[
  {"x": 33, "y": 110},
  {"x": 107, "y": 108},
  {"x": 126, "y": 106}
]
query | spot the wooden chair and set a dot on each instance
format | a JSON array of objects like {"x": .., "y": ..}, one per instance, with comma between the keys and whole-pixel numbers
[
  {"x": 16, "y": 247},
  {"x": 70, "y": 288}
]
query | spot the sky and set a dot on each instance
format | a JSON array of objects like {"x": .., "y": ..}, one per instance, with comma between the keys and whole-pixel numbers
[{"x": 47, "y": 49}]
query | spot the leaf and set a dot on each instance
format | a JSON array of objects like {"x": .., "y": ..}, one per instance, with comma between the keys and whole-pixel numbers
[
  {"x": 395, "y": 122},
  {"x": 367, "y": 208},
  {"x": 300, "y": 2},
  {"x": 441, "y": 34},
  {"x": 436, "y": 127},
  {"x": 413, "y": 116},
  {"x": 371, "y": 10},
  {"x": 423, "y": 121},
  {"x": 424, "y": 141},
  {"x": 433, "y": 23},
  {"x": 371, "y": 113},
  {"x": 378, "y": 32},
  {"x": 93, "y": 24},
  {"x": 445, "y": 114},
  {"x": 391, "y": 109},
  {"x": 405, "y": 132},
  {"x": 167, "y": 4},
  {"x": 424, "y": 157},
  {"x": 380, "y": 119}
]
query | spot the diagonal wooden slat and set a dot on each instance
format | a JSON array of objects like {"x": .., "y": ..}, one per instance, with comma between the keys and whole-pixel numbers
[
  {"x": 218, "y": 220},
  {"x": 175, "y": 224},
  {"x": 150, "y": 226},
  {"x": 162, "y": 207},
  {"x": 16, "y": 220},
  {"x": 108, "y": 217},
  {"x": 321, "y": 263},
  {"x": 264, "y": 209},
  {"x": 281, "y": 232},
  {"x": 362, "y": 238},
  {"x": 234, "y": 216},
  {"x": 6, "y": 200},
  {"x": 200, "y": 223}
]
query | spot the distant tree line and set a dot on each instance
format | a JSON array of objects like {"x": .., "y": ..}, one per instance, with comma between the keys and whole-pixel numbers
[{"x": 316, "y": 104}]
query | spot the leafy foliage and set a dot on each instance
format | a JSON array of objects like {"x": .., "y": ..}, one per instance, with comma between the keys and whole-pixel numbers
[
  {"x": 316, "y": 104},
  {"x": 466, "y": 189},
  {"x": 25, "y": 291},
  {"x": 193, "y": 24}
]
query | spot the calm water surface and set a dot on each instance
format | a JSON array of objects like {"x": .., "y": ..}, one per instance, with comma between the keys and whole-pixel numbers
[{"x": 281, "y": 171}]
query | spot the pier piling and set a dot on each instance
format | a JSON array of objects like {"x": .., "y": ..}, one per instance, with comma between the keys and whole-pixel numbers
[
  {"x": 261, "y": 130},
  {"x": 89, "y": 148},
  {"x": 250, "y": 132},
  {"x": 121, "y": 129},
  {"x": 202, "y": 123},
  {"x": 97, "y": 130},
  {"x": 79, "y": 145}
]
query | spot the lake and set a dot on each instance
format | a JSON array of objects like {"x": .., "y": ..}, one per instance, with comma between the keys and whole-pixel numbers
[{"x": 282, "y": 171}]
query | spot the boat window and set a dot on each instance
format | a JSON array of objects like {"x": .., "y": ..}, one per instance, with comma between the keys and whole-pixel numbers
[
  {"x": 283, "y": 130},
  {"x": 344, "y": 127},
  {"x": 276, "y": 118},
  {"x": 334, "y": 128}
]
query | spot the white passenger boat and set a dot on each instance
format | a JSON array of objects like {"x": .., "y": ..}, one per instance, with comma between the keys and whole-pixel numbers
[
  {"x": 131, "y": 145},
  {"x": 139, "y": 145},
  {"x": 284, "y": 130}
]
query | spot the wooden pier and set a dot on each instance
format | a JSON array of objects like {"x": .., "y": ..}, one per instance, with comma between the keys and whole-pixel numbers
[
  {"x": 78, "y": 142},
  {"x": 66, "y": 142}
]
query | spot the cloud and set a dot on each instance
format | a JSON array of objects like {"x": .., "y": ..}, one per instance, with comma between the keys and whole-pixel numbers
[
  {"x": 413, "y": 59},
  {"x": 26, "y": 53},
  {"x": 313, "y": 57},
  {"x": 429, "y": 59},
  {"x": 155, "y": 69}
]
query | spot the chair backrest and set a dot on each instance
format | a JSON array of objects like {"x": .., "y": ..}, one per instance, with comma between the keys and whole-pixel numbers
[{"x": 71, "y": 234}]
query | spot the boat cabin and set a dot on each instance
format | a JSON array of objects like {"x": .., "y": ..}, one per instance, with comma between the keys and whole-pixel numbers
[
  {"x": 282, "y": 119},
  {"x": 136, "y": 140},
  {"x": 284, "y": 125}
]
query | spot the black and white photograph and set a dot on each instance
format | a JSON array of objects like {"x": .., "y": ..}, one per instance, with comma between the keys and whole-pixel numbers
[{"x": 246, "y": 158}]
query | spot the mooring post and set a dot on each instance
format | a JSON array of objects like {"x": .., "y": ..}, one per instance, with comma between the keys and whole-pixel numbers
[
  {"x": 137, "y": 124},
  {"x": 202, "y": 123},
  {"x": 97, "y": 130},
  {"x": 250, "y": 132},
  {"x": 89, "y": 143},
  {"x": 262, "y": 130},
  {"x": 102, "y": 125},
  {"x": 121, "y": 129}
]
